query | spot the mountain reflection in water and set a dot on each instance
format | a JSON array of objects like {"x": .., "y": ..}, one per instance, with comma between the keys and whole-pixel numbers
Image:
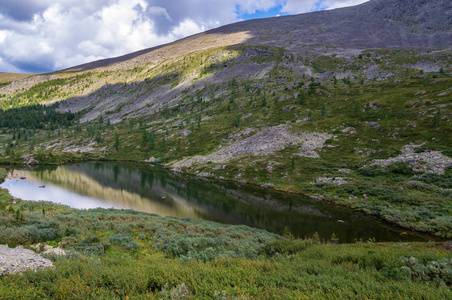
[{"x": 156, "y": 190}]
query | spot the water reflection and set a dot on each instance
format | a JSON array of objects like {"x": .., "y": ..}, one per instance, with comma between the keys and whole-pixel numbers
[{"x": 155, "y": 190}]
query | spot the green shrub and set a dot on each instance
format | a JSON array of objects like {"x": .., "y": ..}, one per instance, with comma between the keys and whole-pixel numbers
[
  {"x": 444, "y": 181},
  {"x": 447, "y": 152},
  {"x": 443, "y": 225},
  {"x": 181, "y": 291},
  {"x": 205, "y": 241},
  {"x": 420, "y": 149},
  {"x": 400, "y": 168},
  {"x": 386, "y": 194},
  {"x": 438, "y": 272},
  {"x": 371, "y": 171},
  {"x": 125, "y": 241},
  {"x": 91, "y": 246},
  {"x": 285, "y": 246},
  {"x": 33, "y": 232}
]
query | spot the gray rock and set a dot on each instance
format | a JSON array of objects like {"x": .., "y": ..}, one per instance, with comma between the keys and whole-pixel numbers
[
  {"x": 264, "y": 142},
  {"x": 184, "y": 132},
  {"x": 19, "y": 259},
  {"x": 373, "y": 124},
  {"x": 425, "y": 162},
  {"x": 335, "y": 180}
]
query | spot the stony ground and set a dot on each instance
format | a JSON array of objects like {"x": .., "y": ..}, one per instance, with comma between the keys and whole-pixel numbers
[
  {"x": 19, "y": 259},
  {"x": 266, "y": 141},
  {"x": 428, "y": 161}
]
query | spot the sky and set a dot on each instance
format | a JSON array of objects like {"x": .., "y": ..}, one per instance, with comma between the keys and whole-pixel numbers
[{"x": 38, "y": 36}]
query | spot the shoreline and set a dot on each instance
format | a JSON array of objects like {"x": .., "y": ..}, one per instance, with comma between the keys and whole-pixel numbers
[{"x": 322, "y": 198}]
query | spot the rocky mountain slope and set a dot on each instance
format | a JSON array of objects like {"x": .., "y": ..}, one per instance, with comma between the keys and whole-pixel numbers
[
  {"x": 374, "y": 24},
  {"x": 350, "y": 105}
]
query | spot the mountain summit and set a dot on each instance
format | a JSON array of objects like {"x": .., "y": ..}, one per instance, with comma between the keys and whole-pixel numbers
[{"x": 375, "y": 24}]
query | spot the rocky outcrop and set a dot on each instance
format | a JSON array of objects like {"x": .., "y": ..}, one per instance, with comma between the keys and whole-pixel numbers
[
  {"x": 334, "y": 180},
  {"x": 29, "y": 160},
  {"x": 19, "y": 259},
  {"x": 425, "y": 162},
  {"x": 266, "y": 141}
]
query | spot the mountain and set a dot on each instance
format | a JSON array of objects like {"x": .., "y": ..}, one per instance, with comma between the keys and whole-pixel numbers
[
  {"x": 374, "y": 24},
  {"x": 345, "y": 32},
  {"x": 350, "y": 105}
]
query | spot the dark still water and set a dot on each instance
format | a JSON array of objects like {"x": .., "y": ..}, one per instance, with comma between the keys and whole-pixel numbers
[{"x": 156, "y": 190}]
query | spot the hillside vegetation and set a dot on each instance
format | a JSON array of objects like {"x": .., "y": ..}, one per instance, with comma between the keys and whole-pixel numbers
[
  {"x": 351, "y": 106},
  {"x": 133, "y": 255},
  {"x": 381, "y": 144},
  {"x": 366, "y": 128}
]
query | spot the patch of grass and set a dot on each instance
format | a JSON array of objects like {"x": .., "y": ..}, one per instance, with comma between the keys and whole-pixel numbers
[{"x": 363, "y": 270}]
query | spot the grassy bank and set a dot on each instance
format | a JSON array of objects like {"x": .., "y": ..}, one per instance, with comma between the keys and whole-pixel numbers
[{"x": 133, "y": 255}]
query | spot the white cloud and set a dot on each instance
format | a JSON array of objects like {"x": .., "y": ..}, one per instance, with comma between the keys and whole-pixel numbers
[
  {"x": 3, "y": 35},
  {"x": 46, "y": 35},
  {"x": 331, "y": 4},
  {"x": 297, "y": 6},
  {"x": 186, "y": 28},
  {"x": 303, "y": 6}
]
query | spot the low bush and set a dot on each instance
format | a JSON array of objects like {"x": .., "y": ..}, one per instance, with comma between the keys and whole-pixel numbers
[
  {"x": 400, "y": 168},
  {"x": 437, "y": 272},
  {"x": 442, "y": 225},
  {"x": 285, "y": 246},
  {"x": 386, "y": 194},
  {"x": 124, "y": 241},
  {"x": 91, "y": 246},
  {"x": 371, "y": 171},
  {"x": 447, "y": 152},
  {"x": 33, "y": 232},
  {"x": 420, "y": 149},
  {"x": 193, "y": 239},
  {"x": 444, "y": 181}
]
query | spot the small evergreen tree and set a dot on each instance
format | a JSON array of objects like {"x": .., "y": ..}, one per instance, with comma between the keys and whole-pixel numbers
[
  {"x": 437, "y": 118},
  {"x": 144, "y": 138},
  {"x": 356, "y": 109},
  {"x": 152, "y": 139},
  {"x": 116, "y": 144},
  {"x": 302, "y": 97},
  {"x": 323, "y": 112},
  {"x": 164, "y": 143},
  {"x": 386, "y": 122}
]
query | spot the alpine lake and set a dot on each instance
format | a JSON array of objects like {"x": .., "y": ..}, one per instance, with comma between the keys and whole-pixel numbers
[{"x": 152, "y": 189}]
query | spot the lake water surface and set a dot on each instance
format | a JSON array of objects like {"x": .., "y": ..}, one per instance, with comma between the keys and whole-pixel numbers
[{"x": 155, "y": 190}]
